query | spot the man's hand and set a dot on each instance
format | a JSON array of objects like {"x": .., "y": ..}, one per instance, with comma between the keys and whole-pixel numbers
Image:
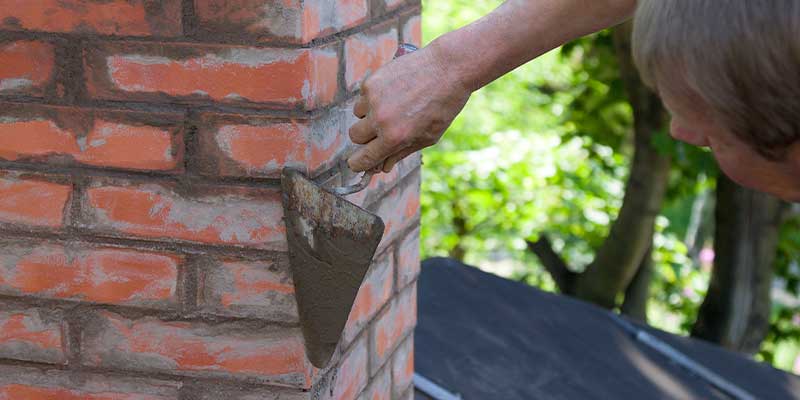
[
  {"x": 404, "y": 107},
  {"x": 407, "y": 105}
]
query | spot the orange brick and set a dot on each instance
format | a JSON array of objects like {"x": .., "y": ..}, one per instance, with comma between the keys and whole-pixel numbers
[
  {"x": 392, "y": 326},
  {"x": 383, "y": 182},
  {"x": 285, "y": 78},
  {"x": 32, "y": 202},
  {"x": 412, "y": 31},
  {"x": 249, "y": 289},
  {"x": 238, "y": 216},
  {"x": 31, "y": 335},
  {"x": 269, "y": 355},
  {"x": 106, "y": 139},
  {"x": 408, "y": 259},
  {"x": 399, "y": 209},
  {"x": 392, "y": 4},
  {"x": 351, "y": 377},
  {"x": 288, "y": 20},
  {"x": 27, "y": 67},
  {"x": 366, "y": 52},
  {"x": 23, "y": 383},
  {"x": 129, "y": 277},
  {"x": 373, "y": 294},
  {"x": 109, "y": 17},
  {"x": 327, "y": 16},
  {"x": 380, "y": 388},
  {"x": 403, "y": 367},
  {"x": 261, "y": 147}
]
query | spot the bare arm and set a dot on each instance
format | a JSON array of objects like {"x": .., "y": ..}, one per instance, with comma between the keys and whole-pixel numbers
[{"x": 409, "y": 103}]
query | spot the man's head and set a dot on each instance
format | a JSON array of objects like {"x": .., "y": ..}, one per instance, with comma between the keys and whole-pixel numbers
[{"x": 729, "y": 73}]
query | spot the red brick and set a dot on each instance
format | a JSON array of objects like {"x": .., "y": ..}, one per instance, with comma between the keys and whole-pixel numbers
[
  {"x": 392, "y": 4},
  {"x": 110, "y": 17},
  {"x": 261, "y": 289},
  {"x": 105, "y": 139},
  {"x": 266, "y": 354},
  {"x": 399, "y": 209},
  {"x": 31, "y": 335},
  {"x": 380, "y": 388},
  {"x": 216, "y": 391},
  {"x": 403, "y": 367},
  {"x": 408, "y": 395},
  {"x": 408, "y": 259},
  {"x": 373, "y": 294},
  {"x": 31, "y": 202},
  {"x": 27, "y": 67},
  {"x": 392, "y": 326},
  {"x": 366, "y": 52},
  {"x": 288, "y": 20},
  {"x": 383, "y": 182},
  {"x": 78, "y": 272},
  {"x": 187, "y": 73},
  {"x": 412, "y": 31},
  {"x": 327, "y": 16},
  {"x": 236, "y": 216},
  {"x": 261, "y": 147},
  {"x": 351, "y": 375},
  {"x": 23, "y": 383}
]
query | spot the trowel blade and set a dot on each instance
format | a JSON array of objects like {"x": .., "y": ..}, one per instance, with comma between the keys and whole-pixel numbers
[{"x": 331, "y": 244}]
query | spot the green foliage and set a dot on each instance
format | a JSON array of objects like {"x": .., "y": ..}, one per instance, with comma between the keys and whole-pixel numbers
[{"x": 547, "y": 148}]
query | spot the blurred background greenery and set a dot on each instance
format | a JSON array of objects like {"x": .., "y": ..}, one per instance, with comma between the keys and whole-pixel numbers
[{"x": 548, "y": 148}]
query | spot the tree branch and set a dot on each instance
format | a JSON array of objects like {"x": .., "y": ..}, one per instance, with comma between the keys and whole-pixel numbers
[{"x": 553, "y": 263}]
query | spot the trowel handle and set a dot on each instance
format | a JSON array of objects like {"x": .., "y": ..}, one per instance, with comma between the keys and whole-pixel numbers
[
  {"x": 357, "y": 187},
  {"x": 402, "y": 49}
]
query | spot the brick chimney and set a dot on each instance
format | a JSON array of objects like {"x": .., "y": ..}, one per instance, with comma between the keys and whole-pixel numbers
[{"x": 142, "y": 249}]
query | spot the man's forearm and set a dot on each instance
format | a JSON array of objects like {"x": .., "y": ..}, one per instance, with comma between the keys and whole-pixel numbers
[{"x": 519, "y": 31}]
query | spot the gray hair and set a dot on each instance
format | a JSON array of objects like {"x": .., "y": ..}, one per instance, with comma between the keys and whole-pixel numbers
[{"x": 742, "y": 57}]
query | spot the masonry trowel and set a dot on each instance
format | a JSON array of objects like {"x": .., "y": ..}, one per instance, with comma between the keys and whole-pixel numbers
[{"x": 331, "y": 245}]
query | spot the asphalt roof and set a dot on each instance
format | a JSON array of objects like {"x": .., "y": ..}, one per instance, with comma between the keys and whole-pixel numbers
[{"x": 485, "y": 337}]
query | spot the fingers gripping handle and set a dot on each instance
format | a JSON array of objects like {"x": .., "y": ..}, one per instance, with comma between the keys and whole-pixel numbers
[{"x": 363, "y": 182}]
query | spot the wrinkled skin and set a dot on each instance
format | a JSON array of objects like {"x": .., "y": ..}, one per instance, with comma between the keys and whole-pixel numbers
[
  {"x": 408, "y": 104},
  {"x": 692, "y": 122},
  {"x": 404, "y": 107}
]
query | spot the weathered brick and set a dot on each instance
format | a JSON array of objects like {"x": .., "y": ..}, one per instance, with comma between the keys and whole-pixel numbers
[
  {"x": 392, "y": 4},
  {"x": 408, "y": 395},
  {"x": 109, "y": 17},
  {"x": 32, "y": 202},
  {"x": 232, "y": 145},
  {"x": 95, "y": 274},
  {"x": 232, "y": 216},
  {"x": 403, "y": 367},
  {"x": 373, "y": 294},
  {"x": 220, "y": 392},
  {"x": 23, "y": 383},
  {"x": 351, "y": 375},
  {"x": 263, "y": 77},
  {"x": 266, "y": 354},
  {"x": 399, "y": 209},
  {"x": 408, "y": 259},
  {"x": 383, "y": 182},
  {"x": 289, "y": 20},
  {"x": 65, "y": 135},
  {"x": 380, "y": 388},
  {"x": 31, "y": 335},
  {"x": 412, "y": 31},
  {"x": 27, "y": 67},
  {"x": 261, "y": 289},
  {"x": 392, "y": 326},
  {"x": 366, "y": 52}
]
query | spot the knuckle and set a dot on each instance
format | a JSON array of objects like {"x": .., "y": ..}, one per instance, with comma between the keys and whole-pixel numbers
[{"x": 393, "y": 139}]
